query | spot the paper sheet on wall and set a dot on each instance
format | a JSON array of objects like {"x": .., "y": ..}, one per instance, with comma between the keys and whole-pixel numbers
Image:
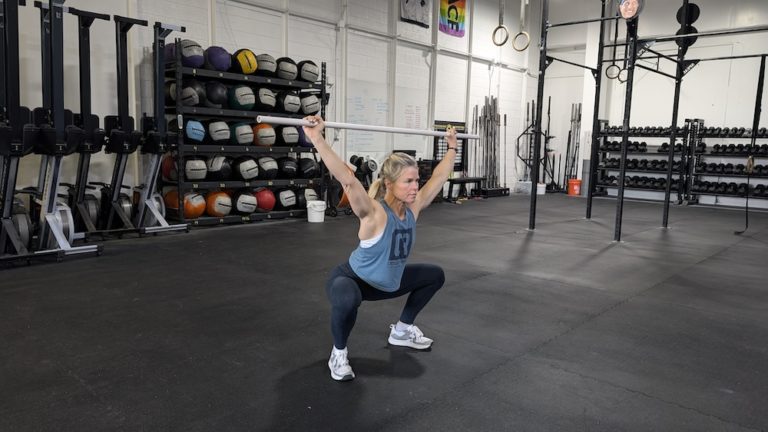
[{"x": 416, "y": 12}]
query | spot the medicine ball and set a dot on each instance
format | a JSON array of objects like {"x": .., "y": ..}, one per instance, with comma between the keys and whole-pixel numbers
[
  {"x": 308, "y": 71},
  {"x": 189, "y": 95},
  {"x": 287, "y": 167},
  {"x": 288, "y": 101},
  {"x": 241, "y": 134},
  {"x": 192, "y": 54},
  {"x": 219, "y": 168},
  {"x": 217, "y": 58},
  {"x": 244, "y": 202},
  {"x": 195, "y": 131},
  {"x": 310, "y": 104},
  {"x": 170, "y": 52},
  {"x": 244, "y": 61},
  {"x": 215, "y": 94},
  {"x": 266, "y": 65},
  {"x": 303, "y": 141},
  {"x": 245, "y": 168},
  {"x": 219, "y": 132},
  {"x": 288, "y": 135},
  {"x": 241, "y": 97},
  {"x": 286, "y": 68},
  {"x": 195, "y": 168},
  {"x": 218, "y": 204},
  {"x": 305, "y": 195},
  {"x": 263, "y": 134},
  {"x": 169, "y": 168},
  {"x": 265, "y": 99},
  {"x": 194, "y": 203},
  {"x": 267, "y": 168},
  {"x": 265, "y": 199},
  {"x": 286, "y": 199},
  {"x": 308, "y": 168}
]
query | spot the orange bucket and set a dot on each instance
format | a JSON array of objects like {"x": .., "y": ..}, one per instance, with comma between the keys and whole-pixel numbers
[{"x": 574, "y": 187}]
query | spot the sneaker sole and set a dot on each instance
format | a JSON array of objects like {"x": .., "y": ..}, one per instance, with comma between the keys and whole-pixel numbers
[
  {"x": 348, "y": 377},
  {"x": 407, "y": 343}
]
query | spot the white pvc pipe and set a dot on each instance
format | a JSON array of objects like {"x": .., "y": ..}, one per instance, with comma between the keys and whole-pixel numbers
[{"x": 336, "y": 125}]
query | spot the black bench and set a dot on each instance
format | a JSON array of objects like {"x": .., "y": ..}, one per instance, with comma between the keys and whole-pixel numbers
[{"x": 462, "y": 182}]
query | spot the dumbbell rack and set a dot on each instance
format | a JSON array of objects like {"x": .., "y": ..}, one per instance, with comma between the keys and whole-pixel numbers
[
  {"x": 641, "y": 187},
  {"x": 731, "y": 163},
  {"x": 178, "y": 72}
]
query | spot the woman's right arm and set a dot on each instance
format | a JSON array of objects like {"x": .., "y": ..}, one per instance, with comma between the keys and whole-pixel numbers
[{"x": 362, "y": 204}]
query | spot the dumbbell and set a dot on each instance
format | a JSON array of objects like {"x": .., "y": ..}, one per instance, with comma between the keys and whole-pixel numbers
[
  {"x": 759, "y": 191},
  {"x": 701, "y": 147},
  {"x": 763, "y": 150},
  {"x": 731, "y": 149},
  {"x": 664, "y": 148},
  {"x": 675, "y": 166},
  {"x": 721, "y": 187},
  {"x": 739, "y": 169},
  {"x": 719, "y": 168},
  {"x": 678, "y": 148},
  {"x": 742, "y": 189},
  {"x": 740, "y": 149},
  {"x": 724, "y": 132},
  {"x": 762, "y": 132},
  {"x": 631, "y": 164},
  {"x": 642, "y": 164},
  {"x": 642, "y": 147},
  {"x": 728, "y": 168},
  {"x": 716, "y": 149},
  {"x": 732, "y": 188},
  {"x": 653, "y": 165}
]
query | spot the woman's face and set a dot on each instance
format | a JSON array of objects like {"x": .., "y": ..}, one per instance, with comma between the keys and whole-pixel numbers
[
  {"x": 406, "y": 186},
  {"x": 629, "y": 8}
]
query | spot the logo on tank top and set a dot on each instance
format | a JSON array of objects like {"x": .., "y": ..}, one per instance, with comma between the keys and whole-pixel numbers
[{"x": 401, "y": 244}]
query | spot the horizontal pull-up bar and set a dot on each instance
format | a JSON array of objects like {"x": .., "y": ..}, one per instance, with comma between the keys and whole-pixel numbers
[
  {"x": 570, "y": 63},
  {"x": 707, "y": 33},
  {"x": 353, "y": 126},
  {"x": 731, "y": 57},
  {"x": 582, "y": 22}
]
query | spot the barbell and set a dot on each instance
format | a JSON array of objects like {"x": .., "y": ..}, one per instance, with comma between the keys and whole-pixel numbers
[{"x": 373, "y": 128}]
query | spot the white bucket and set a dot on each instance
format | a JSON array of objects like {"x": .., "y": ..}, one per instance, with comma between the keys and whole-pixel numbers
[
  {"x": 541, "y": 189},
  {"x": 315, "y": 211}
]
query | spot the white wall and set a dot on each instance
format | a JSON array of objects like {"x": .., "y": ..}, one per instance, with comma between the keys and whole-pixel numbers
[{"x": 384, "y": 71}]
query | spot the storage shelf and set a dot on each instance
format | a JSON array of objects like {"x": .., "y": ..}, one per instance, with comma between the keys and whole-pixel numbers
[
  {"x": 638, "y": 170},
  {"x": 637, "y": 188},
  {"x": 729, "y": 175},
  {"x": 743, "y": 155},
  {"x": 678, "y": 135},
  {"x": 640, "y": 153},
  {"x": 250, "y": 79},
  {"x": 240, "y": 149},
  {"x": 226, "y": 113},
  {"x": 234, "y": 184},
  {"x": 727, "y": 195},
  {"x": 253, "y": 217}
]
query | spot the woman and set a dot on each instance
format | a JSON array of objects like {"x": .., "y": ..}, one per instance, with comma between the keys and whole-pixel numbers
[{"x": 377, "y": 269}]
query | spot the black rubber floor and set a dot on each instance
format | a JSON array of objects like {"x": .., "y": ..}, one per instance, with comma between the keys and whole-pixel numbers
[{"x": 560, "y": 329}]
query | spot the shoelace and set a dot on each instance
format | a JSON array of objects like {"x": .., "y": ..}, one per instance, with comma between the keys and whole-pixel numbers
[
  {"x": 340, "y": 359},
  {"x": 415, "y": 333}
]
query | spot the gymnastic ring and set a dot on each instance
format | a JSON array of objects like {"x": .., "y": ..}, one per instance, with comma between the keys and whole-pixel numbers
[
  {"x": 506, "y": 35},
  {"x": 610, "y": 74},
  {"x": 527, "y": 41},
  {"x": 625, "y": 76}
]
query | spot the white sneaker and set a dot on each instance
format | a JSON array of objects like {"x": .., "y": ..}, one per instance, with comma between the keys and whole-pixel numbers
[
  {"x": 410, "y": 337},
  {"x": 339, "y": 366}
]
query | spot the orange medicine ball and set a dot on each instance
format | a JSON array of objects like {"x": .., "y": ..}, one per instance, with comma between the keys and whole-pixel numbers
[
  {"x": 264, "y": 134},
  {"x": 194, "y": 203},
  {"x": 219, "y": 204}
]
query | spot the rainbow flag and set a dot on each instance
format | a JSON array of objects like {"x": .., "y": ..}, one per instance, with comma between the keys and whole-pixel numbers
[{"x": 452, "y": 16}]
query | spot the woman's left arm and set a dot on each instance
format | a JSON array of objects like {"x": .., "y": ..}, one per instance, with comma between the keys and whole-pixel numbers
[{"x": 439, "y": 175}]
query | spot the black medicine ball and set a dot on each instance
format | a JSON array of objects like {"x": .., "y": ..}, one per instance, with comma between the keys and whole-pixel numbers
[
  {"x": 265, "y": 99},
  {"x": 288, "y": 101},
  {"x": 287, "y": 167},
  {"x": 286, "y": 199},
  {"x": 268, "y": 168},
  {"x": 304, "y": 195},
  {"x": 215, "y": 94},
  {"x": 308, "y": 168},
  {"x": 308, "y": 71},
  {"x": 286, "y": 68},
  {"x": 246, "y": 168},
  {"x": 219, "y": 168}
]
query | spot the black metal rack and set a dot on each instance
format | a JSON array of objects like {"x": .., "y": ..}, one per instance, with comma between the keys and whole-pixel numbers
[{"x": 176, "y": 71}]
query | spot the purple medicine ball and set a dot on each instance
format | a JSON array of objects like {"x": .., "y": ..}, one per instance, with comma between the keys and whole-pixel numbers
[
  {"x": 217, "y": 58},
  {"x": 303, "y": 140},
  {"x": 191, "y": 53}
]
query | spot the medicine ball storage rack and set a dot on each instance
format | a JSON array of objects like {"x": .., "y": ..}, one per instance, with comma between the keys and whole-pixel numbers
[{"x": 185, "y": 148}]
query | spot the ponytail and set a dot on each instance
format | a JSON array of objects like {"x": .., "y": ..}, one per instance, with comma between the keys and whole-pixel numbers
[{"x": 377, "y": 189}]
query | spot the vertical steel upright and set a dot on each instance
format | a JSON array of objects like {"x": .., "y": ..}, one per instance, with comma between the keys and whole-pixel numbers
[
  {"x": 537, "y": 118},
  {"x": 631, "y": 59},
  {"x": 598, "y": 75}
]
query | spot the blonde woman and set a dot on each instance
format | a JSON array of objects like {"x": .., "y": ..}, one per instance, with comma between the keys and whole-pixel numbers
[{"x": 377, "y": 269}]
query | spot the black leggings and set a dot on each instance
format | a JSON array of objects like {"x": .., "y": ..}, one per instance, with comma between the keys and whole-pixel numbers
[{"x": 346, "y": 291}]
